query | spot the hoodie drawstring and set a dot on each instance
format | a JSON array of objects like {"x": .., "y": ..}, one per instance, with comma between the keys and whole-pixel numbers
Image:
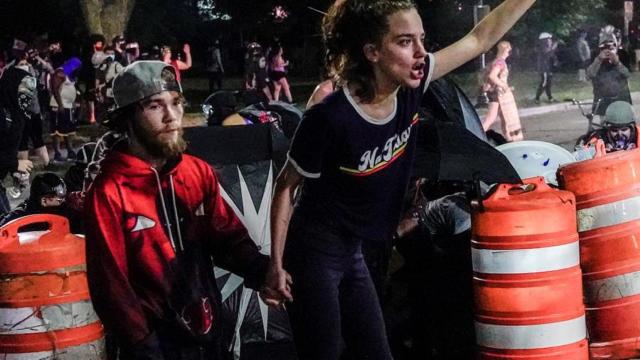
[
  {"x": 175, "y": 211},
  {"x": 164, "y": 209}
]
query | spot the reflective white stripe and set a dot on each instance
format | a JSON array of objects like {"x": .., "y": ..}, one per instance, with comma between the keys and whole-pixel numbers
[
  {"x": 531, "y": 336},
  {"x": 29, "y": 320},
  {"x": 616, "y": 287},
  {"x": 525, "y": 261},
  {"x": 29, "y": 237},
  {"x": 609, "y": 214},
  {"x": 91, "y": 351}
]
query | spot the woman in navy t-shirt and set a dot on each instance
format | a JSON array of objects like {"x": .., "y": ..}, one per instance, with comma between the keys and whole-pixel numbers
[{"x": 354, "y": 151}]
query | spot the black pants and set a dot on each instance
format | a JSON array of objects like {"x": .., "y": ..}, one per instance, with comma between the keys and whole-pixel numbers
[
  {"x": 546, "y": 79},
  {"x": 335, "y": 302},
  {"x": 215, "y": 80},
  {"x": 32, "y": 132}
]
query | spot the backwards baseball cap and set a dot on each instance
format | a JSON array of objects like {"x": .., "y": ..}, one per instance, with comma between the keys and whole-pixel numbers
[
  {"x": 607, "y": 38},
  {"x": 141, "y": 80},
  {"x": 619, "y": 113}
]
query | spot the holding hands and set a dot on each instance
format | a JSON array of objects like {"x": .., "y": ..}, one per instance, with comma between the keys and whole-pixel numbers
[{"x": 277, "y": 288}]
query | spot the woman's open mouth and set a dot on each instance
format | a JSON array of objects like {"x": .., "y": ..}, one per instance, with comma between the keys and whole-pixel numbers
[{"x": 417, "y": 71}]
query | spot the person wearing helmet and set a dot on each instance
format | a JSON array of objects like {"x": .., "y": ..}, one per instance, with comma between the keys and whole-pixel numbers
[
  {"x": 608, "y": 75},
  {"x": 546, "y": 60},
  {"x": 619, "y": 131},
  {"x": 46, "y": 196},
  {"x": 156, "y": 224}
]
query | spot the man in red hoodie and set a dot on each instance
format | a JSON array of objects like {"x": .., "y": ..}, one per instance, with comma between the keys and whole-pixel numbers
[{"x": 156, "y": 223}]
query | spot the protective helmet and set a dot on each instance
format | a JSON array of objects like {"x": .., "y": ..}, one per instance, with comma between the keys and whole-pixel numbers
[
  {"x": 619, "y": 113},
  {"x": 47, "y": 184},
  {"x": 545, "y": 35}
]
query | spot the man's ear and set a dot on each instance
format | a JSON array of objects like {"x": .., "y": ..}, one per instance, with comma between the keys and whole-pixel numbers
[
  {"x": 371, "y": 52},
  {"x": 42, "y": 202}
]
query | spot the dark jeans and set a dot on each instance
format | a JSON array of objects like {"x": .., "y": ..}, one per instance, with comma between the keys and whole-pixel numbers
[
  {"x": 215, "y": 80},
  {"x": 546, "y": 80},
  {"x": 334, "y": 297}
]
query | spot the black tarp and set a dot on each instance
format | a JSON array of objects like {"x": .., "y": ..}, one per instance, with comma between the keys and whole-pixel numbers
[{"x": 246, "y": 160}]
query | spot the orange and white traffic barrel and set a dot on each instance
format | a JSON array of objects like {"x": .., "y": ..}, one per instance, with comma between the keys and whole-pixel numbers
[
  {"x": 45, "y": 309},
  {"x": 526, "y": 274},
  {"x": 607, "y": 191}
]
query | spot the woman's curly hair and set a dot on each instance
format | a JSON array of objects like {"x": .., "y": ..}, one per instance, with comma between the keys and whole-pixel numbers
[{"x": 348, "y": 26}]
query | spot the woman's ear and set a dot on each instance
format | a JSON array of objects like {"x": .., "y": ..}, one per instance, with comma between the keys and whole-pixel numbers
[{"x": 371, "y": 52}]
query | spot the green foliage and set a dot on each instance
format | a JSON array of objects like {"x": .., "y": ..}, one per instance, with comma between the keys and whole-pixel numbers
[{"x": 561, "y": 18}]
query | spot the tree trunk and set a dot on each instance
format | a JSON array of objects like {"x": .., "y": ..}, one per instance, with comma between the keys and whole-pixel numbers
[{"x": 107, "y": 17}]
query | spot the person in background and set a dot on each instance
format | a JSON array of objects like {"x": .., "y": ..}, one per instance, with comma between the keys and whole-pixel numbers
[
  {"x": 88, "y": 75},
  {"x": 47, "y": 195},
  {"x": 497, "y": 85},
  {"x": 132, "y": 52},
  {"x": 619, "y": 131},
  {"x": 63, "y": 103},
  {"x": 118, "y": 44},
  {"x": 105, "y": 73},
  {"x": 278, "y": 73},
  {"x": 33, "y": 124},
  {"x": 177, "y": 64},
  {"x": 214, "y": 66},
  {"x": 609, "y": 77},
  {"x": 257, "y": 78},
  {"x": 55, "y": 54},
  {"x": 546, "y": 60},
  {"x": 17, "y": 91},
  {"x": 584, "y": 56}
]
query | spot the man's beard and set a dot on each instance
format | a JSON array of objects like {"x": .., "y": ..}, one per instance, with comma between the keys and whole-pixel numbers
[{"x": 156, "y": 147}]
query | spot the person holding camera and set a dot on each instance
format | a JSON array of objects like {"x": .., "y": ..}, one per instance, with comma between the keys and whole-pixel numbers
[{"x": 608, "y": 76}]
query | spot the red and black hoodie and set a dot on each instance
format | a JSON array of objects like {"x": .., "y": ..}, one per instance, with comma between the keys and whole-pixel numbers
[{"x": 152, "y": 239}]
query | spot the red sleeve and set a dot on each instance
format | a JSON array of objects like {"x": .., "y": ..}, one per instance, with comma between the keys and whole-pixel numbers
[
  {"x": 113, "y": 297},
  {"x": 232, "y": 248}
]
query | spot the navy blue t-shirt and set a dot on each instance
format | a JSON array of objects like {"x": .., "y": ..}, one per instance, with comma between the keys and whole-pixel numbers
[{"x": 357, "y": 168}]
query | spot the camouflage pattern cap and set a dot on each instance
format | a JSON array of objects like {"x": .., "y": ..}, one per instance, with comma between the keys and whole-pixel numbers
[{"x": 141, "y": 80}]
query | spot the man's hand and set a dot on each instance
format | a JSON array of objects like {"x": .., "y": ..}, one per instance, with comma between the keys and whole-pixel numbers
[
  {"x": 277, "y": 288},
  {"x": 186, "y": 49},
  {"x": 25, "y": 166},
  {"x": 613, "y": 57},
  {"x": 604, "y": 54}
]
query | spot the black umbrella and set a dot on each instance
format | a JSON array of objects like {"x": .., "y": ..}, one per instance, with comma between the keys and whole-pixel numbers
[
  {"x": 445, "y": 101},
  {"x": 447, "y": 152}
]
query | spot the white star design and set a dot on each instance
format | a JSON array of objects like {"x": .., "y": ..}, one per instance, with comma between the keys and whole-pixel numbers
[{"x": 259, "y": 228}]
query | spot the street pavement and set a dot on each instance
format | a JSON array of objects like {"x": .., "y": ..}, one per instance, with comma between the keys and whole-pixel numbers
[{"x": 560, "y": 124}]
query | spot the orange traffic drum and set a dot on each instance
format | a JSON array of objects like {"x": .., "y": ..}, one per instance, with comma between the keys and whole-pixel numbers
[
  {"x": 526, "y": 274},
  {"x": 45, "y": 309},
  {"x": 607, "y": 191}
]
